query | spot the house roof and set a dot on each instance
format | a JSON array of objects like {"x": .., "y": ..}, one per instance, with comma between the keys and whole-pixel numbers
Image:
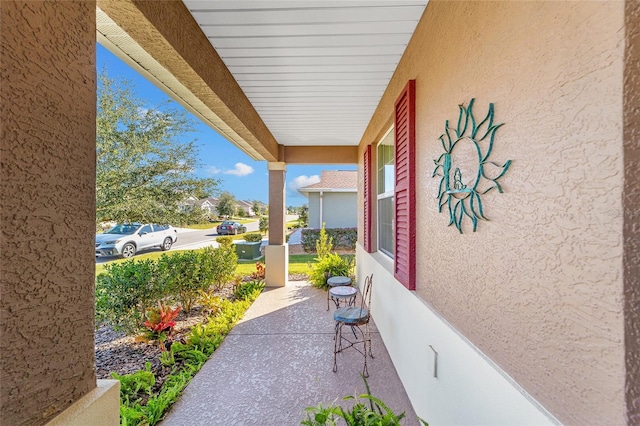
[
  {"x": 334, "y": 181},
  {"x": 211, "y": 200}
]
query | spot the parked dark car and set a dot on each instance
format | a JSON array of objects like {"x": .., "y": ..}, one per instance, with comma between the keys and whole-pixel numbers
[{"x": 229, "y": 227}]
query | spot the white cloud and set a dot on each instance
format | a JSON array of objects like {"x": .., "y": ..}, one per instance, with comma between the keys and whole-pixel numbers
[
  {"x": 302, "y": 181},
  {"x": 212, "y": 170},
  {"x": 240, "y": 169}
]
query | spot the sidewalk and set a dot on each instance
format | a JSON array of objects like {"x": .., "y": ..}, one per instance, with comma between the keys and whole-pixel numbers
[{"x": 277, "y": 361}]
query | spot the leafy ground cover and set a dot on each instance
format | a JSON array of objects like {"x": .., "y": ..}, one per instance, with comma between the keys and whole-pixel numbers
[{"x": 153, "y": 375}]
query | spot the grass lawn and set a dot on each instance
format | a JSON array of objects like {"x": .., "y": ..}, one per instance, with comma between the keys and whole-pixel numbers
[
  {"x": 209, "y": 225},
  {"x": 298, "y": 263}
]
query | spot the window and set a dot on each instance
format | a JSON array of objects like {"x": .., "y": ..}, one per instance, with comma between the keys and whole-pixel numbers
[
  {"x": 386, "y": 184},
  {"x": 395, "y": 196}
]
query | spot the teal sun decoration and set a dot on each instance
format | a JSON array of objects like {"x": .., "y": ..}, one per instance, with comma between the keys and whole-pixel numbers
[{"x": 464, "y": 198}]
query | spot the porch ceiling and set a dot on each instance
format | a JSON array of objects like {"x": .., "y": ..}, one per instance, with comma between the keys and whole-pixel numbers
[{"x": 313, "y": 72}]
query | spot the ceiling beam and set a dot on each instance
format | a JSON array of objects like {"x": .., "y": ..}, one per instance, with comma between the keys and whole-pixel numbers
[
  {"x": 162, "y": 40},
  {"x": 320, "y": 154}
]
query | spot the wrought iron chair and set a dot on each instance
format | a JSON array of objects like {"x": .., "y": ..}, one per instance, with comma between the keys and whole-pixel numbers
[{"x": 357, "y": 319}]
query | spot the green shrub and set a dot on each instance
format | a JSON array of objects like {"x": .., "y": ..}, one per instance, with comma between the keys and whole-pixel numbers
[
  {"x": 124, "y": 291},
  {"x": 263, "y": 224},
  {"x": 342, "y": 238},
  {"x": 253, "y": 237},
  {"x": 249, "y": 290},
  {"x": 224, "y": 241},
  {"x": 223, "y": 261},
  {"x": 324, "y": 243},
  {"x": 187, "y": 274},
  {"x": 183, "y": 277},
  {"x": 331, "y": 265}
]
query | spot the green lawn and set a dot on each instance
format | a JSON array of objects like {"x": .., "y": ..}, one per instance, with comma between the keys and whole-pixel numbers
[
  {"x": 298, "y": 263},
  {"x": 209, "y": 225}
]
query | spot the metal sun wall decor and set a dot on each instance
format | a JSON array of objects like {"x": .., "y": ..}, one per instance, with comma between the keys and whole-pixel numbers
[{"x": 460, "y": 185}]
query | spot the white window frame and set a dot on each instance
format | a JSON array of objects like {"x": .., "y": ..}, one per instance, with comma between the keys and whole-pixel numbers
[{"x": 389, "y": 193}]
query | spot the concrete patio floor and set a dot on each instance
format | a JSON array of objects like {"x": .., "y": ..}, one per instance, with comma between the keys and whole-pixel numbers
[{"x": 279, "y": 360}]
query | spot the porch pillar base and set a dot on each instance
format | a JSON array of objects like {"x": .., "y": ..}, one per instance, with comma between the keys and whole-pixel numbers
[
  {"x": 100, "y": 407},
  {"x": 276, "y": 258}
]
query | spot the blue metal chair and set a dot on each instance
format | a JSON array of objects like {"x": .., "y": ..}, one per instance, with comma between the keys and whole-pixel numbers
[{"x": 357, "y": 319}]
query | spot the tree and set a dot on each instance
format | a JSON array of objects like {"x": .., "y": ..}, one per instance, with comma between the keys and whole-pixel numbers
[
  {"x": 226, "y": 204},
  {"x": 143, "y": 171},
  {"x": 255, "y": 207},
  {"x": 263, "y": 224},
  {"x": 303, "y": 215}
]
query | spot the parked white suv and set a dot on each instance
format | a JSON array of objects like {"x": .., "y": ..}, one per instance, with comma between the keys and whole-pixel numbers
[{"x": 126, "y": 239}]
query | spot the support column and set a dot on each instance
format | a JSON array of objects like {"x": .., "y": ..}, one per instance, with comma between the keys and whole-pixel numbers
[
  {"x": 47, "y": 215},
  {"x": 277, "y": 252}
]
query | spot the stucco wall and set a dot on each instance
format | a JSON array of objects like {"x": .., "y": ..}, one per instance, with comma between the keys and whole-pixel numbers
[
  {"x": 314, "y": 210},
  {"x": 631, "y": 203},
  {"x": 538, "y": 289},
  {"x": 339, "y": 210},
  {"x": 47, "y": 199}
]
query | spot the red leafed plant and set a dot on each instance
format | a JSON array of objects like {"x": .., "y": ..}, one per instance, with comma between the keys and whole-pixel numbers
[
  {"x": 260, "y": 271},
  {"x": 160, "y": 323}
]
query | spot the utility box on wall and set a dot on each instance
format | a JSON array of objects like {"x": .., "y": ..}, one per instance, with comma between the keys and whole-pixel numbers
[{"x": 248, "y": 251}]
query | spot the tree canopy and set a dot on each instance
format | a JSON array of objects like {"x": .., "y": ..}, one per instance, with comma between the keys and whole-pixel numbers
[
  {"x": 256, "y": 207},
  {"x": 144, "y": 170},
  {"x": 226, "y": 204}
]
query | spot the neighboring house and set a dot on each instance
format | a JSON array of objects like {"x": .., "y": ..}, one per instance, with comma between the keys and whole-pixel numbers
[
  {"x": 334, "y": 200},
  {"x": 246, "y": 207},
  {"x": 209, "y": 205},
  {"x": 188, "y": 204}
]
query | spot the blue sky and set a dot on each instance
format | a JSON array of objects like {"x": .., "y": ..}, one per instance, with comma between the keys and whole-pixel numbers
[{"x": 245, "y": 178}]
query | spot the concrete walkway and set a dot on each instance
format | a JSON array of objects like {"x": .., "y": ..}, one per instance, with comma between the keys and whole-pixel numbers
[{"x": 277, "y": 361}]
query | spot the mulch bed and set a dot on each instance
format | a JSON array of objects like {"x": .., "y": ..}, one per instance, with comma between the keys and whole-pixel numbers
[{"x": 122, "y": 354}]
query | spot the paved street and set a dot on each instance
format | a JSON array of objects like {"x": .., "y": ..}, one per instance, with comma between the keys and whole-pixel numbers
[{"x": 189, "y": 239}]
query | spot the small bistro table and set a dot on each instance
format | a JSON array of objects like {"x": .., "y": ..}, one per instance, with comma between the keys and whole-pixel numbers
[
  {"x": 344, "y": 293},
  {"x": 335, "y": 282}
]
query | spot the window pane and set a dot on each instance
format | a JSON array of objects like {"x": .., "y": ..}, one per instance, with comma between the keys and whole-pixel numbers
[
  {"x": 385, "y": 225},
  {"x": 386, "y": 164}
]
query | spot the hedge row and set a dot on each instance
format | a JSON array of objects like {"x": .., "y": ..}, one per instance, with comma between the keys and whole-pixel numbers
[
  {"x": 343, "y": 238},
  {"x": 125, "y": 290}
]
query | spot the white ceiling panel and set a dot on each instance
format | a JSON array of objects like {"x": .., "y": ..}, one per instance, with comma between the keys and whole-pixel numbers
[{"x": 314, "y": 70}]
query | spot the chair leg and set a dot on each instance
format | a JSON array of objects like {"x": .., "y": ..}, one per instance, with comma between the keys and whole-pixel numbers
[
  {"x": 365, "y": 370},
  {"x": 337, "y": 345},
  {"x": 369, "y": 339},
  {"x": 328, "y": 298}
]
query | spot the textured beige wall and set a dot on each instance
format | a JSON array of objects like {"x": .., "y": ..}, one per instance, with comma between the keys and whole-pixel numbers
[
  {"x": 47, "y": 199},
  {"x": 632, "y": 209},
  {"x": 538, "y": 288}
]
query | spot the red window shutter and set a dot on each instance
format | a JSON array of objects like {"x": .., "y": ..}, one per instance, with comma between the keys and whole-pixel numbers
[
  {"x": 405, "y": 204},
  {"x": 367, "y": 200}
]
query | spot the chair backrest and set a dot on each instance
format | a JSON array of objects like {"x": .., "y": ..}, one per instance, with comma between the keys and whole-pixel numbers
[{"x": 366, "y": 293}]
